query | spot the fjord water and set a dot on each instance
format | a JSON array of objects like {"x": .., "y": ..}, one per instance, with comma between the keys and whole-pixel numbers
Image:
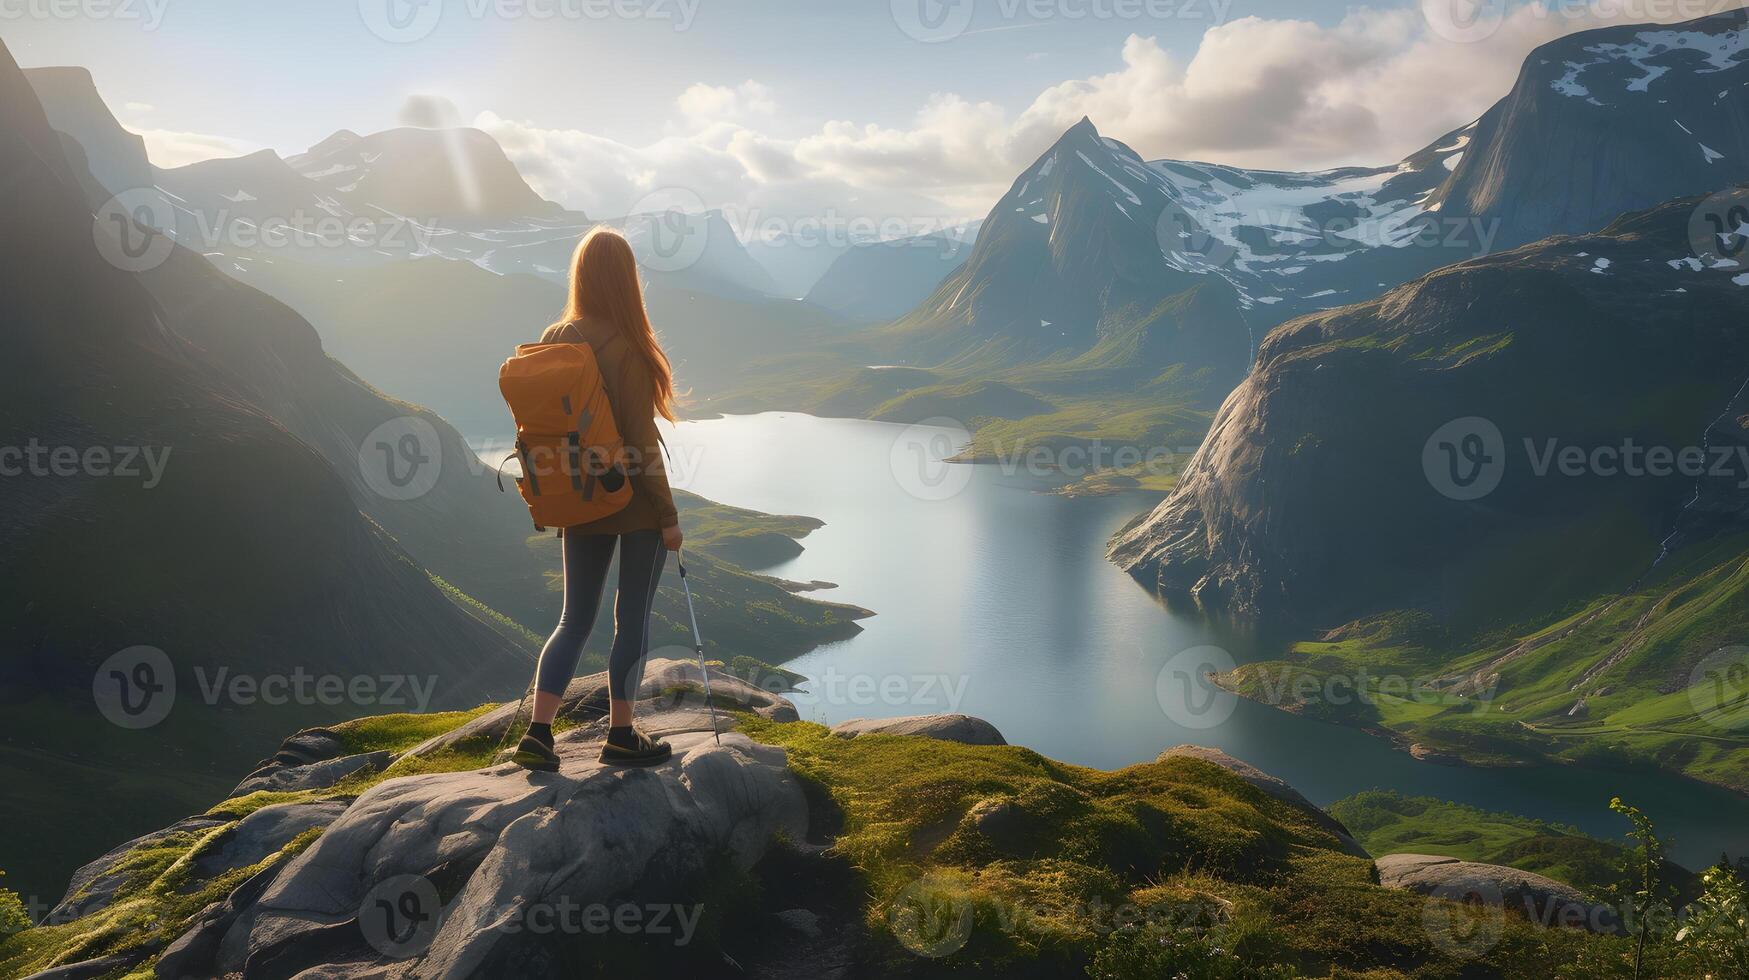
[{"x": 997, "y": 601}]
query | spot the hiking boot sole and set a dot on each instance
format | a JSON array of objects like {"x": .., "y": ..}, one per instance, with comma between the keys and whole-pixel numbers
[
  {"x": 535, "y": 761},
  {"x": 611, "y": 756}
]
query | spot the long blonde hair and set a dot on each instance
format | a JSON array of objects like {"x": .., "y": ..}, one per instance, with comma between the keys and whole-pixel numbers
[{"x": 605, "y": 286}]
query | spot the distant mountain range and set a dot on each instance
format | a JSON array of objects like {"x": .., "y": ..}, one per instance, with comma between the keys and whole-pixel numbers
[
  {"x": 879, "y": 281},
  {"x": 1303, "y": 497},
  {"x": 1093, "y": 244}
]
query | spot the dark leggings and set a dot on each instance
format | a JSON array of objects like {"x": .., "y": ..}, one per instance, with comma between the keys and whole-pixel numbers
[{"x": 587, "y": 557}]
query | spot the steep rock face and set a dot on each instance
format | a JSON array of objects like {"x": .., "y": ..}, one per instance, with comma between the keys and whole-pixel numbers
[
  {"x": 246, "y": 554},
  {"x": 117, "y": 158},
  {"x": 1326, "y": 485},
  {"x": 1609, "y": 121}
]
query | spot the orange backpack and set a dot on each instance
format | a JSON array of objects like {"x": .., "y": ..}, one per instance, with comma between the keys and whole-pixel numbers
[{"x": 573, "y": 460}]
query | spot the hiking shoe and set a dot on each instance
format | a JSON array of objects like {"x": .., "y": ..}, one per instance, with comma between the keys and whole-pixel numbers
[
  {"x": 645, "y": 751},
  {"x": 535, "y": 755}
]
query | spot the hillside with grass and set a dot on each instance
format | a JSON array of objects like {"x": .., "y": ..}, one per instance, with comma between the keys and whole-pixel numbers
[
  {"x": 1387, "y": 822},
  {"x": 1622, "y": 680},
  {"x": 918, "y": 856}
]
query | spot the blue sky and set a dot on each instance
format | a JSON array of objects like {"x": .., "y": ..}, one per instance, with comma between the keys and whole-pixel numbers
[
  {"x": 902, "y": 105},
  {"x": 290, "y": 73}
]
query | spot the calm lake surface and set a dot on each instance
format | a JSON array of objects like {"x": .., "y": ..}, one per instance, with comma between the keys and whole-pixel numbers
[{"x": 995, "y": 599}]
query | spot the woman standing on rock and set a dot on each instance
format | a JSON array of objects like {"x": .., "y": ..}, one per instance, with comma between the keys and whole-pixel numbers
[{"x": 606, "y": 311}]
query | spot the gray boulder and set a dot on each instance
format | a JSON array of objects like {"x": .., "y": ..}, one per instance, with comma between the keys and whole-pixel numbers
[
  {"x": 1270, "y": 785},
  {"x": 948, "y": 728},
  {"x": 314, "y": 775},
  {"x": 261, "y": 833},
  {"x": 1540, "y": 899},
  {"x": 503, "y": 846}
]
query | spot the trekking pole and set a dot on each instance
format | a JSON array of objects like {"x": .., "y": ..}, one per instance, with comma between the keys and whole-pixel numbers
[{"x": 698, "y": 644}]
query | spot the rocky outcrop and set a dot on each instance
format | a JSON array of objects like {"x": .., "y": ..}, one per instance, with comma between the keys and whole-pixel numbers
[
  {"x": 1587, "y": 132},
  {"x": 314, "y": 758},
  {"x": 1307, "y": 501},
  {"x": 950, "y": 728},
  {"x": 94, "y": 886},
  {"x": 1539, "y": 898},
  {"x": 1271, "y": 785},
  {"x": 482, "y": 867},
  {"x": 440, "y": 874}
]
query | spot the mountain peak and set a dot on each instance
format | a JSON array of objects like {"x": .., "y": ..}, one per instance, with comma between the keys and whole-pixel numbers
[
  {"x": 1082, "y": 132},
  {"x": 341, "y": 138}
]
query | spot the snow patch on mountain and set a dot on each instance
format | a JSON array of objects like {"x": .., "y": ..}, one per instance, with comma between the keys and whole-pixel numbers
[{"x": 1721, "y": 52}]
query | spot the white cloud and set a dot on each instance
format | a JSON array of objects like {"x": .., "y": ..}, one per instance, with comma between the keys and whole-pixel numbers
[
  {"x": 747, "y": 102},
  {"x": 1292, "y": 94},
  {"x": 168, "y": 148},
  {"x": 1283, "y": 93}
]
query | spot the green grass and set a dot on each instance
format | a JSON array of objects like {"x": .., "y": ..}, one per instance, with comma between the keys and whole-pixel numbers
[
  {"x": 506, "y": 627},
  {"x": 160, "y": 893},
  {"x": 400, "y": 732},
  {"x": 1611, "y": 682},
  {"x": 155, "y": 903},
  {"x": 1154, "y": 840},
  {"x": 1386, "y": 822}
]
